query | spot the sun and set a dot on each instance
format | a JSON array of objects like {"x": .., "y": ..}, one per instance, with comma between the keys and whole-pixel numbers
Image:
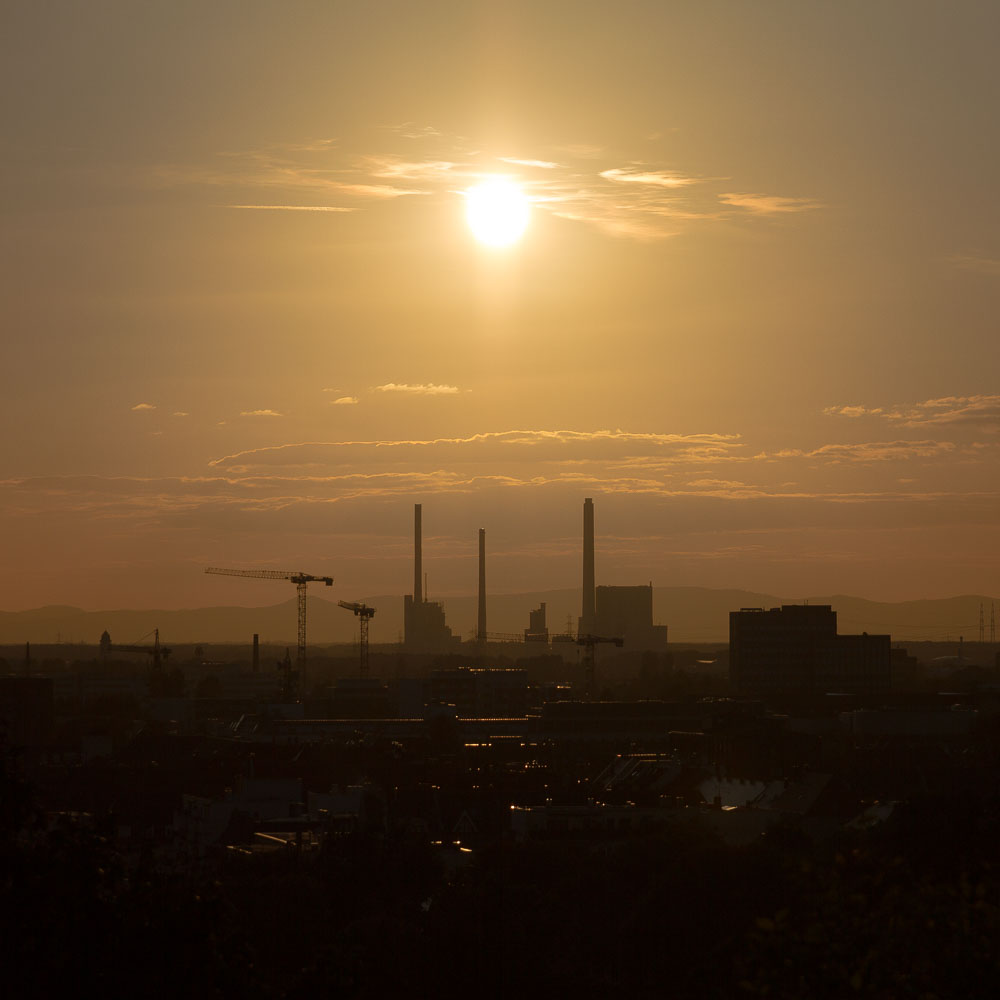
[{"x": 497, "y": 212}]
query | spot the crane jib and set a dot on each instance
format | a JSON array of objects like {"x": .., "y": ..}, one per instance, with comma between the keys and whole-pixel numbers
[{"x": 300, "y": 580}]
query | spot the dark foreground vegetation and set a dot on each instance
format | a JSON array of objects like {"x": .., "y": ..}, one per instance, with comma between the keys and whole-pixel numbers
[{"x": 909, "y": 909}]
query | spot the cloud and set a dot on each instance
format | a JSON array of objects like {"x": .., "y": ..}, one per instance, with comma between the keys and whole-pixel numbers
[
  {"x": 541, "y": 164},
  {"x": 410, "y": 130},
  {"x": 735, "y": 484},
  {"x": 980, "y": 410},
  {"x": 143, "y": 406},
  {"x": 297, "y": 208},
  {"x": 261, "y": 413},
  {"x": 344, "y": 401},
  {"x": 871, "y": 451},
  {"x": 767, "y": 204},
  {"x": 181, "y": 413},
  {"x": 381, "y": 191},
  {"x": 625, "y": 450},
  {"x": 426, "y": 389},
  {"x": 852, "y": 411},
  {"x": 978, "y": 265},
  {"x": 658, "y": 178},
  {"x": 429, "y": 170},
  {"x": 291, "y": 170},
  {"x": 582, "y": 183},
  {"x": 294, "y": 502}
]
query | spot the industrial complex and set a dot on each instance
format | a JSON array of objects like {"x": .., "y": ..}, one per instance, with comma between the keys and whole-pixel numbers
[{"x": 606, "y": 613}]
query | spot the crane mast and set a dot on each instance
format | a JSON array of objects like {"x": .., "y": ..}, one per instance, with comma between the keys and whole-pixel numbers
[
  {"x": 589, "y": 659},
  {"x": 300, "y": 580},
  {"x": 156, "y": 651},
  {"x": 364, "y": 614}
]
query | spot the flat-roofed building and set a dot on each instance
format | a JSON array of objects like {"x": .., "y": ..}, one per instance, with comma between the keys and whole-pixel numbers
[
  {"x": 627, "y": 613},
  {"x": 796, "y": 648}
]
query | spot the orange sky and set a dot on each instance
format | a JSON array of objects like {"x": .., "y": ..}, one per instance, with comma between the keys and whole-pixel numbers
[{"x": 245, "y": 324}]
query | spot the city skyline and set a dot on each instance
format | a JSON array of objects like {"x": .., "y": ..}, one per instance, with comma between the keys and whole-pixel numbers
[{"x": 752, "y": 313}]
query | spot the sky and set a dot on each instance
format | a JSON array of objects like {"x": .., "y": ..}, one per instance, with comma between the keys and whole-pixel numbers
[{"x": 753, "y": 315}]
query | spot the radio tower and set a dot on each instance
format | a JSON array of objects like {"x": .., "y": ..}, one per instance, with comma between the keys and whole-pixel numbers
[
  {"x": 982, "y": 624},
  {"x": 993, "y": 622}
]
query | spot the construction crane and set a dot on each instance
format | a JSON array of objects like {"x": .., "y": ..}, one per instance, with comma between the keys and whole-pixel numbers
[
  {"x": 156, "y": 651},
  {"x": 364, "y": 614},
  {"x": 299, "y": 579},
  {"x": 589, "y": 642}
]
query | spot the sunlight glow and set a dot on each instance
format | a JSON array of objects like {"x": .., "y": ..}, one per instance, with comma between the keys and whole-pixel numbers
[{"x": 497, "y": 212}]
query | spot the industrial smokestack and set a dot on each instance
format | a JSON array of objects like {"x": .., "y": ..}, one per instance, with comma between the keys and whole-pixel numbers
[
  {"x": 256, "y": 653},
  {"x": 589, "y": 611},
  {"x": 481, "y": 631},
  {"x": 418, "y": 575}
]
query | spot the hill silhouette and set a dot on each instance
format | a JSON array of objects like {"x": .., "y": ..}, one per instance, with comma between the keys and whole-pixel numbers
[{"x": 694, "y": 614}]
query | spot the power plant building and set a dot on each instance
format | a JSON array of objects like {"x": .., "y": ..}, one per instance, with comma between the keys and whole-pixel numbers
[
  {"x": 537, "y": 630},
  {"x": 424, "y": 627},
  {"x": 616, "y": 612},
  {"x": 627, "y": 612}
]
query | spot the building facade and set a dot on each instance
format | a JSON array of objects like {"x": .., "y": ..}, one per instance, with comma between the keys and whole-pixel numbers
[
  {"x": 796, "y": 648},
  {"x": 627, "y": 613}
]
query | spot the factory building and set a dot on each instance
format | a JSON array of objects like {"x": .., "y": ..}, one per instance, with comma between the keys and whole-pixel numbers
[
  {"x": 424, "y": 627},
  {"x": 609, "y": 612},
  {"x": 537, "y": 630},
  {"x": 795, "y": 648},
  {"x": 616, "y": 612},
  {"x": 628, "y": 612}
]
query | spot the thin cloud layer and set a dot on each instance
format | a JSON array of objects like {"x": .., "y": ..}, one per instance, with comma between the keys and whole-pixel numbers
[
  {"x": 657, "y": 178},
  {"x": 298, "y": 208},
  {"x": 620, "y": 195},
  {"x": 424, "y": 389},
  {"x": 873, "y": 451},
  {"x": 852, "y": 411},
  {"x": 540, "y": 164},
  {"x": 527, "y": 445},
  {"x": 978, "y": 265},
  {"x": 768, "y": 204},
  {"x": 980, "y": 411},
  {"x": 681, "y": 492}
]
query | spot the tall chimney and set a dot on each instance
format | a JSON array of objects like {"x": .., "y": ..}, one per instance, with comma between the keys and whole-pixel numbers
[
  {"x": 418, "y": 575},
  {"x": 481, "y": 631},
  {"x": 256, "y": 653},
  {"x": 589, "y": 611}
]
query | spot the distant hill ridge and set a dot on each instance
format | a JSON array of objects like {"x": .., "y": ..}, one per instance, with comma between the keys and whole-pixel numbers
[{"x": 694, "y": 614}]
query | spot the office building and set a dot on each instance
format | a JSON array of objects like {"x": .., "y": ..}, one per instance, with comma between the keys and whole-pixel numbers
[{"x": 795, "y": 648}]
